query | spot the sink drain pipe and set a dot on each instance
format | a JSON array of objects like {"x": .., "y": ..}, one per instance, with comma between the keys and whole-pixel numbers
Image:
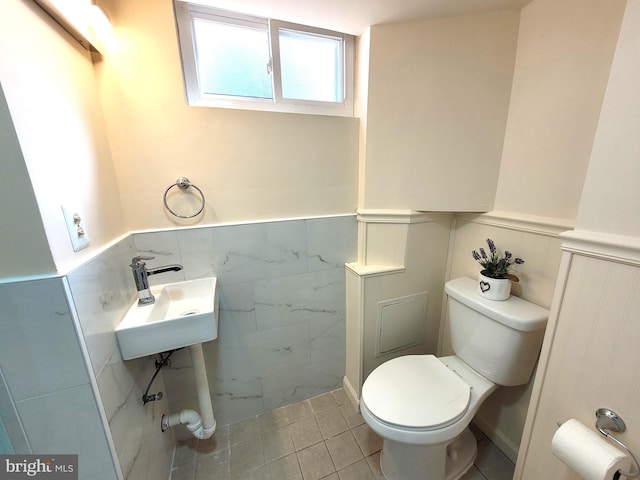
[{"x": 202, "y": 425}]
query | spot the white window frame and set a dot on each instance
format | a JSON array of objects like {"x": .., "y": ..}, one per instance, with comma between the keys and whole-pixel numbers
[{"x": 186, "y": 12}]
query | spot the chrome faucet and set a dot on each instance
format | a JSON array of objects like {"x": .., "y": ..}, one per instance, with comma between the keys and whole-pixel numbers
[{"x": 140, "y": 276}]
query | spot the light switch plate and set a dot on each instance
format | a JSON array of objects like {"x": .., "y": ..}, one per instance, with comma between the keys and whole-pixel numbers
[{"x": 76, "y": 228}]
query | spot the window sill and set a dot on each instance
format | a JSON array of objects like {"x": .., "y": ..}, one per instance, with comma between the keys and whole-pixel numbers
[{"x": 269, "y": 106}]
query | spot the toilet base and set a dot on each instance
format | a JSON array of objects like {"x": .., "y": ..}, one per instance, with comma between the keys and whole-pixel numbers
[
  {"x": 461, "y": 453},
  {"x": 445, "y": 461}
]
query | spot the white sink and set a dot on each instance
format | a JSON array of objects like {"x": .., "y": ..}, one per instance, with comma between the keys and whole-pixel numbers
[{"x": 184, "y": 313}]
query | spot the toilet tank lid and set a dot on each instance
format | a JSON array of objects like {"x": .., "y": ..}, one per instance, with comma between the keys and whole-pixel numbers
[{"x": 514, "y": 312}]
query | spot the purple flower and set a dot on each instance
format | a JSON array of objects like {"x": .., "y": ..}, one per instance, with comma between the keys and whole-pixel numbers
[
  {"x": 495, "y": 265},
  {"x": 492, "y": 246}
]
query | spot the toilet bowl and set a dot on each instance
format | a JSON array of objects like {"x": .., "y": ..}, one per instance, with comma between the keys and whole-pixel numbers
[
  {"x": 419, "y": 401},
  {"x": 421, "y": 405}
]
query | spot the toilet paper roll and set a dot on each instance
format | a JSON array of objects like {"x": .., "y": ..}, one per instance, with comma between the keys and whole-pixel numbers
[{"x": 588, "y": 453}]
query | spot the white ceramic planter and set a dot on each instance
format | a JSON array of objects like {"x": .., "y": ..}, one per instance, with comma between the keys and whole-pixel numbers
[{"x": 494, "y": 288}]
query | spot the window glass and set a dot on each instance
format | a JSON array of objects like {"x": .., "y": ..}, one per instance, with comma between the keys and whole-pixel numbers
[
  {"x": 311, "y": 66},
  {"x": 232, "y": 60},
  {"x": 235, "y": 60}
]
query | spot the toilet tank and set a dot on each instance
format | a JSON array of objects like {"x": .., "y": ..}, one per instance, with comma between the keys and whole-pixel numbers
[{"x": 500, "y": 340}]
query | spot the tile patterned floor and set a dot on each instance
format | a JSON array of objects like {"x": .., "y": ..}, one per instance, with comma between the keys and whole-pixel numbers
[{"x": 320, "y": 438}]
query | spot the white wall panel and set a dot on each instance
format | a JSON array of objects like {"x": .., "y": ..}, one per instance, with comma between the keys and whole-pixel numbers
[{"x": 593, "y": 360}]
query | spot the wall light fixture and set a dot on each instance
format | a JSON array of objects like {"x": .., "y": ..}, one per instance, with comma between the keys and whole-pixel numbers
[{"x": 83, "y": 19}]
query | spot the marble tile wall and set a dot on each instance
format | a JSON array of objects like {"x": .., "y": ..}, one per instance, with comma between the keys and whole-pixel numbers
[
  {"x": 282, "y": 311},
  {"x": 5, "y": 444},
  {"x": 12, "y": 437},
  {"x": 281, "y": 340},
  {"x": 46, "y": 398},
  {"x": 102, "y": 291}
]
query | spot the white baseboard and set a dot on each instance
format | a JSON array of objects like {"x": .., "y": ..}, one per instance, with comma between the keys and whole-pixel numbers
[
  {"x": 351, "y": 393},
  {"x": 498, "y": 438}
]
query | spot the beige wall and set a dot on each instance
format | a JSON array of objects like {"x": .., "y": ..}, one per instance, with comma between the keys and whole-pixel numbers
[
  {"x": 437, "y": 109},
  {"x": 254, "y": 165},
  {"x": 590, "y": 356},
  {"x": 23, "y": 243},
  {"x": 562, "y": 66},
  {"x": 611, "y": 198},
  {"x": 363, "y": 49},
  {"x": 560, "y": 71},
  {"x": 590, "y": 361},
  {"x": 564, "y": 55},
  {"x": 250, "y": 165},
  {"x": 49, "y": 84}
]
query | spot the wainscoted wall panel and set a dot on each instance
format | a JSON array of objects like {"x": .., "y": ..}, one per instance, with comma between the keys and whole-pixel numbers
[
  {"x": 537, "y": 241},
  {"x": 410, "y": 249},
  {"x": 282, "y": 310},
  {"x": 592, "y": 360},
  {"x": 538, "y": 245}
]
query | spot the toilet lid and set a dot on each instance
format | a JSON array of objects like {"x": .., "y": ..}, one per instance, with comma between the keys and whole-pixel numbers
[{"x": 416, "y": 391}]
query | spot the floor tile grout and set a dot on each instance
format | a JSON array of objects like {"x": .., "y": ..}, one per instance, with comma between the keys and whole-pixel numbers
[{"x": 322, "y": 438}]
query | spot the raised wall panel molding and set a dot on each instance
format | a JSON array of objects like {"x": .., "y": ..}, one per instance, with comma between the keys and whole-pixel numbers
[
  {"x": 373, "y": 270},
  {"x": 615, "y": 248},
  {"x": 383, "y": 234},
  {"x": 548, "y": 226},
  {"x": 398, "y": 216}
]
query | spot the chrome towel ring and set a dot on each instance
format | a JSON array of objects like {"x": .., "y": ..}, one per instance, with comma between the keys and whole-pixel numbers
[{"x": 183, "y": 183}]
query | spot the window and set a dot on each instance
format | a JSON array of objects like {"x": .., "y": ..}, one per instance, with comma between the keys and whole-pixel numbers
[{"x": 240, "y": 61}]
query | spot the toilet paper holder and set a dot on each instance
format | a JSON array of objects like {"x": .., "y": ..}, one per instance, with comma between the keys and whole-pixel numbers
[{"x": 607, "y": 419}]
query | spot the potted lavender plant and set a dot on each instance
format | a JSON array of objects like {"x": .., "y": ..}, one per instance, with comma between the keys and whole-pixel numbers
[{"x": 496, "y": 277}]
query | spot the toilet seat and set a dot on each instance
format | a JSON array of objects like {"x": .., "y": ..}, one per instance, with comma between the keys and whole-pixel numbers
[{"x": 416, "y": 392}]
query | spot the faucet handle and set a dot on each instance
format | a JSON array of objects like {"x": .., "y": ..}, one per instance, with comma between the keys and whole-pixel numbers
[{"x": 138, "y": 261}]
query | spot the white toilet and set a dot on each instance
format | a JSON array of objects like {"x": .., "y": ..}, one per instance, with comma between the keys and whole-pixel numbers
[{"x": 422, "y": 405}]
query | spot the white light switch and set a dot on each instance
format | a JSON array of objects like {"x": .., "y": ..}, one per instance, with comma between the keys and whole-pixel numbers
[{"x": 76, "y": 228}]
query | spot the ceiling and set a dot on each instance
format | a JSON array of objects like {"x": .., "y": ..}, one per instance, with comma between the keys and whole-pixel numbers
[{"x": 354, "y": 16}]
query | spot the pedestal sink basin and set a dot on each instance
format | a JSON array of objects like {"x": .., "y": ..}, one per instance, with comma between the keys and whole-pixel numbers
[{"x": 184, "y": 314}]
